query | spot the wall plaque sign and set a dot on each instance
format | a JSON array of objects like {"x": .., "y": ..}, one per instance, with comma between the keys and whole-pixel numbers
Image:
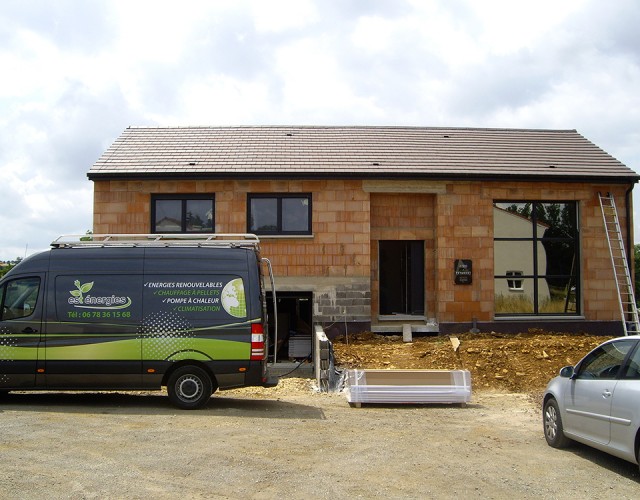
[{"x": 462, "y": 272}]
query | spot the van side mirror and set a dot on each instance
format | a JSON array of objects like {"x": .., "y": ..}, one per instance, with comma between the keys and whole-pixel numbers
[{"x": 567, "y": 372}]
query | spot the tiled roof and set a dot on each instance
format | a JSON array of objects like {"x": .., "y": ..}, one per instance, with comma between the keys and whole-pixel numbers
[{"x": 366, "y": 152}]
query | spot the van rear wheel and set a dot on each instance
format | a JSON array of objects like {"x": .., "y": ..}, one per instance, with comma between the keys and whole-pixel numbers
[{"x": 189, "y": 387}]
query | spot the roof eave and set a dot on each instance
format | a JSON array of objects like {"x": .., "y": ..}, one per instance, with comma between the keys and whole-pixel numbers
[{"x": 616, "y": 179}]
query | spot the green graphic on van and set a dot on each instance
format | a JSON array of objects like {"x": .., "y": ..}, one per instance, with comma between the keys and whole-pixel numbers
[
  {"x": 164, "y": 334},
  {"x": 80, "y": 298},
  {"x": 8, "y": 347},
  {"x": 233, "y": 299}
]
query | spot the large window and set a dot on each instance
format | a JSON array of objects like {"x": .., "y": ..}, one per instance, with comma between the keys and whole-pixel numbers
[
  {"x": 285, "y": 214},
  {"x": 536, "y": 258},
  {"x": 182, "y": 213}
]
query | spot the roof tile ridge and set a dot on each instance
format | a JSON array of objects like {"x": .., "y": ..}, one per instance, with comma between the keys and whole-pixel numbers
[{"x": 351, "y": 126}]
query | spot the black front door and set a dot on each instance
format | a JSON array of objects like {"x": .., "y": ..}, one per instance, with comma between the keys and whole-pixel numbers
[{"x": 401, "y": 265}]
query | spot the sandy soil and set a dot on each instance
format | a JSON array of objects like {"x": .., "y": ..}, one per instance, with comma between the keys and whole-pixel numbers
[{"x": 292, "y": 442}]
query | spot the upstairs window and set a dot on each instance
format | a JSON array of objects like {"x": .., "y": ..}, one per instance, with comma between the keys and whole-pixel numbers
[
  {"x": 182, "y": 213},
  {"x": 279, "y": 214}
]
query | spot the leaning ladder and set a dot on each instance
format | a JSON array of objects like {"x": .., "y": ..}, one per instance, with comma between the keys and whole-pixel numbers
[{"x": 624, "y": 285}]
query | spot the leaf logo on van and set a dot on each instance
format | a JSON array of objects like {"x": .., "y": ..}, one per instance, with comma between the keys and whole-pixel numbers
[
  {"x": 81, "y": 290},
  {"x": 81, "y": 298}
]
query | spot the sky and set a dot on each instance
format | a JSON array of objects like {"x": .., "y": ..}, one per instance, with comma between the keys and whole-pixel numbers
[{"x": 76, "y": 73}]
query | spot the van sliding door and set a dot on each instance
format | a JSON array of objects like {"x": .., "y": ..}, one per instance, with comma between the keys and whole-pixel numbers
[{"x": 96, "y": 340}]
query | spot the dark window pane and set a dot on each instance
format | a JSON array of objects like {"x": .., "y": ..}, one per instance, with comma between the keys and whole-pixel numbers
[
  {"x": 279, "y": 214},
  {"x": 264, "y": 215},
  {"x": 605, "y": 362},
  {"x": 557, "y": 257},
  {"x": 199, "y": 216},
  {"x": 183, "y": 213},
  {"x": 559, "y": 219},
  {"x": 295, "y": 214},
  {"x": 168, "y": 216},
  {"x": 20, "y": 298},
  {"x": 633, "y": 371}
]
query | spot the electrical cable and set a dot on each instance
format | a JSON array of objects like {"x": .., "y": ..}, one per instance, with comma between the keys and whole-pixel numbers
[{"x": 308, "y": 358}]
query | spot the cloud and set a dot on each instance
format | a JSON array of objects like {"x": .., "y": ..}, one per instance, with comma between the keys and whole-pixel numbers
[
  {"x": 283, "y": 15},
  {"x": 77, "y": 73}
]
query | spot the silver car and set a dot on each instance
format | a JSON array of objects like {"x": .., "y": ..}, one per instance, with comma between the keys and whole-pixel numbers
[{"x": 597, "y": 402}]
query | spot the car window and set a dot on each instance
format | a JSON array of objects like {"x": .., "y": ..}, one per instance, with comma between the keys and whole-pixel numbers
[
  {"x": 633, "y": 370},
  {"x": 19, "y": 298},
  {"x": 605, "y": 361}
]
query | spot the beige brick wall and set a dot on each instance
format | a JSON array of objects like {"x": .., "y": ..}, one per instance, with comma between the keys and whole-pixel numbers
[
  {"x": 406, "y": 216},
  {"x": 340, "y": 246},
  {"x": 456, "y": 222},
  {"x": 465, "y": 231},
  {"x": 464, "y": 217}
]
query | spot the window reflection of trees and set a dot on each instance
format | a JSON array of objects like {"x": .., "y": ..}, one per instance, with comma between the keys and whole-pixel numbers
[{"x": 553, "y": 236}]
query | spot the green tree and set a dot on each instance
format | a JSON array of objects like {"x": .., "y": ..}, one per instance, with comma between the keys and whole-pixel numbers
[{"x": 10, "y": 265}]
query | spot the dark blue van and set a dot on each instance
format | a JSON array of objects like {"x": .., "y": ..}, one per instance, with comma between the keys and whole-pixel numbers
[{"x": 137, "y": 312}]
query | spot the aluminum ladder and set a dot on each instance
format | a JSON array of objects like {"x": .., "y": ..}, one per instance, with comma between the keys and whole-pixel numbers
[{"x": 624, "y": 285}]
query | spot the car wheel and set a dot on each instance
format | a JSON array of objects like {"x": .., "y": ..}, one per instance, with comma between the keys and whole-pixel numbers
[
  {"x": 552, "y": 422},
  {"x": 189, "y": 387}
]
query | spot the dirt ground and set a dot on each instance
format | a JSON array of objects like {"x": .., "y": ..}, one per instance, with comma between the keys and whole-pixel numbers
[
  {"x": 293, "y": 442},
  {"x": 518, "y": 363}
]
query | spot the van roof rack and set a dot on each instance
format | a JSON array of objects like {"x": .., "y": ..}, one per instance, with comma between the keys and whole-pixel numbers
[{"x": 157, "y": 240}]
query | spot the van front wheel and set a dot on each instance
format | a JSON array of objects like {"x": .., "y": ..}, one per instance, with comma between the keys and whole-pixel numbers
[{"x": 189, "y": 387}]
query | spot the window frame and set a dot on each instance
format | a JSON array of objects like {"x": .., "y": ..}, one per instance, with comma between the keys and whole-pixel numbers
[
  {"x": 540, "y": 274},
  {"x": 279, "y": 197},
  {"x": 184, "y": 199}
]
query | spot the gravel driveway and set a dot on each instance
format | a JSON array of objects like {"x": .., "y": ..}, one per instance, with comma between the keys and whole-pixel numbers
[{"x": 291, "y": 444}]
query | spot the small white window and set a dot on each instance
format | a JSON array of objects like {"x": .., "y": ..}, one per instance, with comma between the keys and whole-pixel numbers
[{"x": 512, "y": 283}]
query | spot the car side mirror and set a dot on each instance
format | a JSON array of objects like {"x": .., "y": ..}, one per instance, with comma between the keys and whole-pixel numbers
[{"x": 567, "y": 372}]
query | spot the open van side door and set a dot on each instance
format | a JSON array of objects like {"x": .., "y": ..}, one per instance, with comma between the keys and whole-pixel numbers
[{"x": 21, "y": 306}]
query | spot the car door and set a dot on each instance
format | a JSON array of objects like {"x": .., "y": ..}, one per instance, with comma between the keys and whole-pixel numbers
[
  {"x": 588, "y": 401},
  {"x": 20, "y": 329},
  {"x": 625, "y": 407}
]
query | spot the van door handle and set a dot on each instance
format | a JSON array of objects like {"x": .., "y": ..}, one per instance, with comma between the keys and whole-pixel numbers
[{"x": 29, "y": 330}]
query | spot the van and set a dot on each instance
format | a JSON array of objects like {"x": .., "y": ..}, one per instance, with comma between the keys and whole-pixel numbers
[{"x": 137, "y": 312}]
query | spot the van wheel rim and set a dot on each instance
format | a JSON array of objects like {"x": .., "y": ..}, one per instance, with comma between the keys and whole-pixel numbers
[{"x": 189, "y": 387}]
